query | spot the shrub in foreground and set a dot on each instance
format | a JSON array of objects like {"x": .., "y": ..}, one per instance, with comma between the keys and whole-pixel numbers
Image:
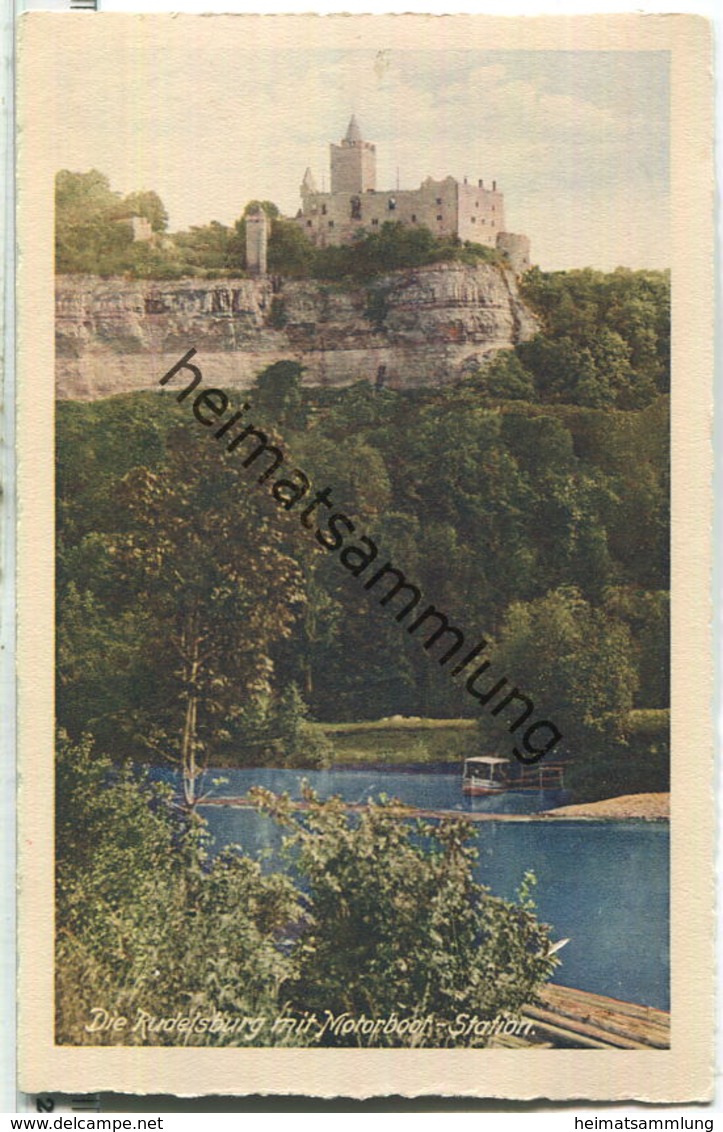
[
  {"x": 397, "y": 923},
  {"x": 388, "y": 919}
]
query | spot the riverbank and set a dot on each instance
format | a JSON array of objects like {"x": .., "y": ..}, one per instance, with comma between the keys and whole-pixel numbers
[{"x": 651, "y": 807}]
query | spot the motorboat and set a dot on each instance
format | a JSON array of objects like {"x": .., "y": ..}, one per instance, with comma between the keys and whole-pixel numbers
[{"x": 489, "y": 774}]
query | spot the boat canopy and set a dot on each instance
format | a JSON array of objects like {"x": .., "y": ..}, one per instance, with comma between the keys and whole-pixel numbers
[{"x": 490, "y": 760}]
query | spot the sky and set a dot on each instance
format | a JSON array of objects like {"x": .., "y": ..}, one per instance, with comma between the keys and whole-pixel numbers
[{"x": 578, "y": 141}]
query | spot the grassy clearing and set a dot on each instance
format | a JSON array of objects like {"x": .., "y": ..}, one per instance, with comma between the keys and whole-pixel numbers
[
  {"x": 401, "y": 723},
  {"x": 402, "y": 741}
]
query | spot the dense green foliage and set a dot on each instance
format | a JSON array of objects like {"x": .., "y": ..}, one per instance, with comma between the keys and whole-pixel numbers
[
  {"x": 201, "y": 623},
  {"x": 543, "y": 527},
  {"x": 392, "y": 247},
  {"x": 605, "y": 338},
  {"x": 150, "y": 925},
  {"x": 604, "y": 341}
]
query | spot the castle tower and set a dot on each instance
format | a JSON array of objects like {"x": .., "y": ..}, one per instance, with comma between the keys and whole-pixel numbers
[
  {"x": 516, "y": 250},
  {"x": 257, "y": 238},
  {"x": 308, "y": 185},
  {"x": 353, "y": 162}
]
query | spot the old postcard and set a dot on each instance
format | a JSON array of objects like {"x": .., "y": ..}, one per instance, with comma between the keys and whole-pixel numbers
[{"x": 364, "y": 384}]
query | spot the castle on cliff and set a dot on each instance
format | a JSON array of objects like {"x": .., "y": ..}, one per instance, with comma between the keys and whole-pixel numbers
[{"x": 448, "y": 208}]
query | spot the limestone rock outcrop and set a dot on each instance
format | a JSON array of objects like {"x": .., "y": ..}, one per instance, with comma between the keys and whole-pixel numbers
[{"x": 426, "y": 326}]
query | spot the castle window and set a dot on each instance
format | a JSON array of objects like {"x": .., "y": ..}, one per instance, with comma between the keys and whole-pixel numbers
[
  {"x": 439, "y": 218},
  {"x": 414, "y": 218},
  {"x": 309, "y": 224},
  {"x": 392, "y": 204},
  {"x": 473, "y": 219},
  {"x": 355, "y": 208},
  {"x": 439, "y": 200},
  {"x": 323, "y": 210},
  {"x": 331, "y": 223},
  {"x": 375, "y": 223}
]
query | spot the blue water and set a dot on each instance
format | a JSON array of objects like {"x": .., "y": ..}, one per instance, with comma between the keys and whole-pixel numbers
[{"x": 603, "y": 885}]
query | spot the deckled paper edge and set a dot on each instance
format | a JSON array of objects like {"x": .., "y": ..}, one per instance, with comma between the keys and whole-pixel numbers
[{"x": 683, "y": 1073}]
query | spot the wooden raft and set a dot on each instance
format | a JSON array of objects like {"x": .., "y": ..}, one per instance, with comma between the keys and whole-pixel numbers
[
  {"x": 575, "y": 1019},
  {"x": 397, "y": 811}
]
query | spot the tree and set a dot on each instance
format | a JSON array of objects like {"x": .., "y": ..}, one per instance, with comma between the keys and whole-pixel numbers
[
  {"x": 605, "y": 337},
  {"x": 85, "y": 196},
  {"x": 205, "y": 248},
  {"x": 271, "y": 209},
  {"x": 648, "y": 616},
  {"x": 289, "y": 252},
  {"x": 207, "y": 566},
  {"x": 103, "y": 668},
  {"x": 149, "y": 205},
  {"x": 577, "y": 658},
  {"x": 91, "y": 235},
  {"x": 577, "y": 662},
  {"x": 506, "y": 378},
  {"x": 300, "y": 745},
  {"x": 277, "y": 393}
]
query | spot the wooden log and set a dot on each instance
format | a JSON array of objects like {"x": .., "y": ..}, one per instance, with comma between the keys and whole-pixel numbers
[
  {"x": 556, "y": 990},
  {"x": 507, "y": 1041},
  {"x": 561, "y": 1036},
  {"x": 627, "y": 1019},
  {"x": 573, "y": 1027},
  {"x": 620, "y": 1024},
  {"x": 624, "y": 1027}
]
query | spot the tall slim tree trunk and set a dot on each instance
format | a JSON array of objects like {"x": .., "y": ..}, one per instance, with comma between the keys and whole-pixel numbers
[
  {"x": 188, "y": 751},
  {"x": 189, "y": 768},
  {"x": 307, "y": 662}
]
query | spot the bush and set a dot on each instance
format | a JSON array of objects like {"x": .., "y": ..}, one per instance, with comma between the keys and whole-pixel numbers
[
  {"x": 149, "y": 925},
  {"x": 398, "y": 925},
  {"x": 146, "y": 921}
]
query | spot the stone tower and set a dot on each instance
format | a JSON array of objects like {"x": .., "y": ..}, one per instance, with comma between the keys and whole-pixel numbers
[
  {"x": 308, "y": 187},
  {"x": 516, "y": 250},
  {"x": 353, "y": 162},
  {"x": 257, "y": 238}
]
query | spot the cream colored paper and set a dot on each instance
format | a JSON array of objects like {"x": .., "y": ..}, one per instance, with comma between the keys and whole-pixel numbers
[{"x": 56, "y": 48}]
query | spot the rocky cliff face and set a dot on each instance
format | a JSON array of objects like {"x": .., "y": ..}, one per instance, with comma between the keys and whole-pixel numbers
[{"x": 426, "y": 326}]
